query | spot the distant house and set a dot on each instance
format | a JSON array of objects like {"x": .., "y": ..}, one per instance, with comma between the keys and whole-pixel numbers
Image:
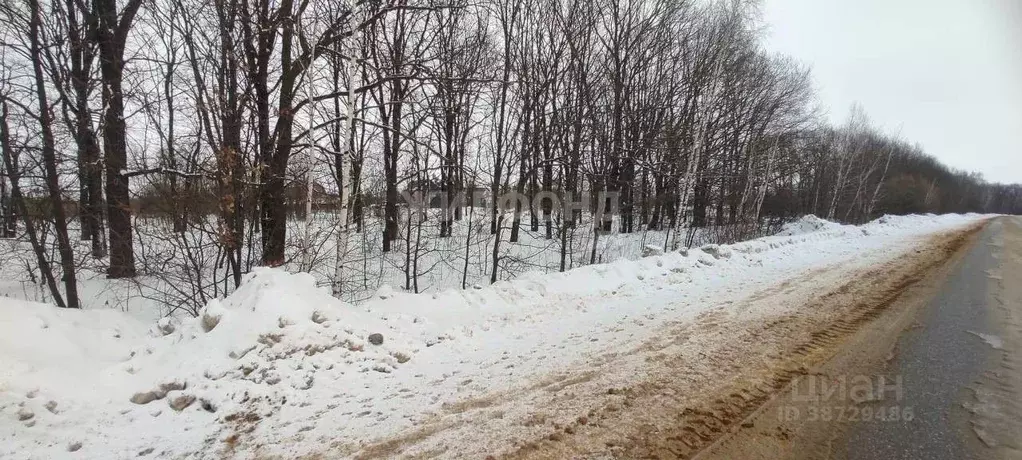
[{"x": 436, "y": 199}]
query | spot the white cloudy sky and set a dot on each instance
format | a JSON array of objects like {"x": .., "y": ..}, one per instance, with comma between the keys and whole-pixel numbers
[{"x": 944, "y": 73}]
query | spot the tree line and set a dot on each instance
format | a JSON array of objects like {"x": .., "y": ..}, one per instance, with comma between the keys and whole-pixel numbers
[{"x": 227, "y": 113}]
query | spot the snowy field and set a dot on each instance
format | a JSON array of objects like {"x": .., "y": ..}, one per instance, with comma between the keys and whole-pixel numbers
[
  {"x": 280, "y": 369},
  {"x": 179, "y": 273}
]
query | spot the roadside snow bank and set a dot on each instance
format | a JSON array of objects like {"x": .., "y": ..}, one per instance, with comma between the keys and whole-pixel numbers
[
  {"x": 52, "y": 377},
  {"x": 274, "y": 316},
  {"x": 274, "y": 337},
  {"x": 807, "y": 224},
  {"x": 281, "y": 361},
  {"x": 42, "y": 346}
]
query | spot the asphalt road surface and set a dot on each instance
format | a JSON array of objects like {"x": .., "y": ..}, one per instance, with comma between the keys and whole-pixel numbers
[
  {"x": 957, "y": 371},
  {"x": 942, "y": 362}
]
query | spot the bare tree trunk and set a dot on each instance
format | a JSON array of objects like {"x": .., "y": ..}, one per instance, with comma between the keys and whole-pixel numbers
[
  {"x": 344, "y": 187},
  {"x": 880, "y": 184},
  {"x": 82, "y": 56},
  {"x": 390, "y": 161},
  {"x": 49, "y": 158},
  {"x": 7, "y": 222},
  {"x": 113, "y": 27}
]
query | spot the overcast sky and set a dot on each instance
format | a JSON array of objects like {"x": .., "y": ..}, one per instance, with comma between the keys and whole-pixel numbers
[{"x": 946, "y": 73}]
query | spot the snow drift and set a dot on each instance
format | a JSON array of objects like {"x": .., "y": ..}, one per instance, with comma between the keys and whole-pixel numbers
[{"x": 807, "y": 224}]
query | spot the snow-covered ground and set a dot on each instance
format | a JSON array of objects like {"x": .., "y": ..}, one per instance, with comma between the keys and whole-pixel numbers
[
  {"x": 178, "y": 271},
  {"x": 281, "y": 369}
]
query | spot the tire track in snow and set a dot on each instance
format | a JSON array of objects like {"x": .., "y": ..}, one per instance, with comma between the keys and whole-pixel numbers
[{"x": 734, "y": 395}]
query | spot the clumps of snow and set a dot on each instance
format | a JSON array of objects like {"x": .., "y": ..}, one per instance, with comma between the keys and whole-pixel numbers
[
  {"x": 652, "y": 250},
  {"x": 211, "y": 315},
  {"x": 807, "y": 224},
  {"x": 273, "y": 323},
  {"x": 718, "y": 251},
  {"x": 181, "y": 402},
  {"x": 160, "y": 392},
  {"x": 166, "y": 325},
  {"x": 703, "y": 257},
  {"x": 25, "y": 414},
  {"x": 263, "y": 347}
]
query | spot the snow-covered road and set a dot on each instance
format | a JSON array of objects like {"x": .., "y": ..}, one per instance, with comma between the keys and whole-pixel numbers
[{"x": 279, "y": 369}]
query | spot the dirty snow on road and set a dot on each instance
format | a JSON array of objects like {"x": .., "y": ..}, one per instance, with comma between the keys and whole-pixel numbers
[{"x": 280, "y": 369}]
